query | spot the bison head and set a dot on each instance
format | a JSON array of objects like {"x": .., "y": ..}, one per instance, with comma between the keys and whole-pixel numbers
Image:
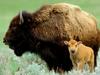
[{"x": 18, "y": 36}]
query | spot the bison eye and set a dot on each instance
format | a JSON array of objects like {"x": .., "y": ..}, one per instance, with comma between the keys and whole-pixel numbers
[
  {"x": 29, "y": 20},
  {"x": 14, "y": 28}
]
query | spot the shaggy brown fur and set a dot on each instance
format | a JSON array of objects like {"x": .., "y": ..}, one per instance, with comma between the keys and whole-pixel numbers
[{"x": 44, "y": 31}]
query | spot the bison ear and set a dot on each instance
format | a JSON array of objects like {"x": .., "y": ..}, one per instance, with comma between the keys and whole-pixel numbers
[{"x": 25, "y": 17}]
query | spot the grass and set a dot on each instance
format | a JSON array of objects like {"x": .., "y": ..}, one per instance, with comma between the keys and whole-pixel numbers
[{"x": 12, "y": 65}]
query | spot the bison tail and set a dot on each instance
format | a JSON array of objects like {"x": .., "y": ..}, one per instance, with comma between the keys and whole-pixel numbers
[{"x": 98, "y": 37}]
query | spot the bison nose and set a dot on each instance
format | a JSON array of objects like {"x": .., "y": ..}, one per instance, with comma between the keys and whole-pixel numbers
[{"x": 5, "y": 41}]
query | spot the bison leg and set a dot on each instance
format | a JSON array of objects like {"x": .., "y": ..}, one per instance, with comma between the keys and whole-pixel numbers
[{"x": 96, "y": 49}]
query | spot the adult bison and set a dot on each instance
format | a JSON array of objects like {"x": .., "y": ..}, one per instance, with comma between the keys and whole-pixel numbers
[{"x": 44, "y": 31}]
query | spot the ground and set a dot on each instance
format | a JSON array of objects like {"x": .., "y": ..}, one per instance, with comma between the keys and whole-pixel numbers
[{"x": 33, "y": 65}]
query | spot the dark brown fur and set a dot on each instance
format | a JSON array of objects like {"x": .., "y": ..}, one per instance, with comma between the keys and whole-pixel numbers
[{"x": 44, "y": 31}]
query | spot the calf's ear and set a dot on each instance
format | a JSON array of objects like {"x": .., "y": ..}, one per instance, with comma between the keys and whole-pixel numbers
[
  {"x": 66, "y": 42},
  {"x": 79, "y": 42}
]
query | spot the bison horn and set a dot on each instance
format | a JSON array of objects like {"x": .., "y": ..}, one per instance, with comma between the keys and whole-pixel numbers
[{"x": 21, "y": 17}]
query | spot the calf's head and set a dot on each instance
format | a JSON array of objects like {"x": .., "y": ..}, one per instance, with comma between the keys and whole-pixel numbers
[{"x": 72, "y": 46}]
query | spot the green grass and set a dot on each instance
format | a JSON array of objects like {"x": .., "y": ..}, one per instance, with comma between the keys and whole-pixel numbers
[{"x": 9, "y": 8}]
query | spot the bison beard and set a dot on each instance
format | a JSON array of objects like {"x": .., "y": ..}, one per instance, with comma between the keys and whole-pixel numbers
[{"x": 44, "y": 31}]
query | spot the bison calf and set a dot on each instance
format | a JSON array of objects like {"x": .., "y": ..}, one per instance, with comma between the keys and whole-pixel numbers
[{"x": 80, "y": 54}]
